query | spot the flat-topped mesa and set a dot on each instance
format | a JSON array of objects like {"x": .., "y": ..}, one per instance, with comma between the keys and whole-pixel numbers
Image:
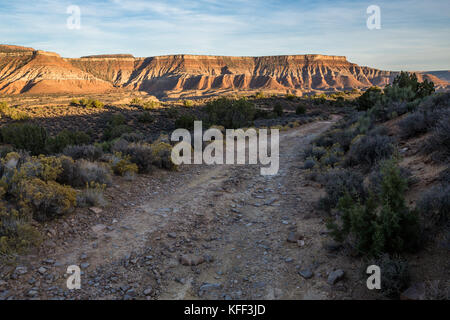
[
  {"x": 106, "y": 56},
  {"x": 26, "y": 70}
]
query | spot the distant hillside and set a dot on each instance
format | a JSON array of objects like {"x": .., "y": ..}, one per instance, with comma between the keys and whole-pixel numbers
[{"x": 25, "y": 70}]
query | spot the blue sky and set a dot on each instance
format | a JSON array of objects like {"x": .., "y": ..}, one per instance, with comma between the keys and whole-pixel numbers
[{"x": 414, "y": 35}]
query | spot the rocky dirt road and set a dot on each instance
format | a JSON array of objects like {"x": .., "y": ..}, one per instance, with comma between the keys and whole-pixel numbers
[{"x": 207, "y": 232}]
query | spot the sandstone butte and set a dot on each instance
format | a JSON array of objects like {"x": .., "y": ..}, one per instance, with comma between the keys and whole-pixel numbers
[{"x": 26, "y": 70}]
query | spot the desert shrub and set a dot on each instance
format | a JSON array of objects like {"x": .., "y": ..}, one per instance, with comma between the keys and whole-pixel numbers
[
  {"x": 278, "y": 110},
  {"x": 230, "y": 113},
  {"x": 309, "y": 164},
  {"x": 92, "y": 195},
  {"x": 113, "y": 132},
  {"x": 188, "y": 103},
  {"x": 47, "y": 200},
  {"x": 67, "y": 138},
  {"x": 3, "y": 106},
  {"x": 146, "y": 117},
  {"x": 368, "y": 150},
  {"x": 116, "y": 120},
  {"x": 122, "y": 165},
  {"x": 369, "y": 98},
  {"x": 434, "y": 205},
  {"x": 25, "y": 136},
  {"x": 152, "y": 104},
  {"x": 88, "y": 152},
  {"x": 301, "y": 109},
  {"x": 78, "y": 173},
  {"x": 172, "y": 113},
  {"x": 162, "y": 155},
  {"x": 333, "y": 156},
  {"x": 16, "y": 231},
  {"x": 383, "y": 224},
  {"x": 315, "y": 152},
  {"x": 135, "y": 102},
  {"x": 339, "y": 182},
  {"x": 413, "y": 125},
  {"x": 395, "y": 276},
  {"x": 439, "y": 142},
  {"x": 139, "y": 154},
  {"x": 88, "y": 103},
  {"x": 444, "y": 176},
  {"x": 45, "y": 168},
  {"x": 16, "y": 115},
  {"x": 132, "y": 137},
  {"x": 260, "y": 95},
  {"x": 185, "y": 121},
  {"x": 290, "y": 96}
]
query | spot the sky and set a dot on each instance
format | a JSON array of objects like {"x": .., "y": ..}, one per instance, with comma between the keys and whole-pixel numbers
[{"x": 413, "y": 35}]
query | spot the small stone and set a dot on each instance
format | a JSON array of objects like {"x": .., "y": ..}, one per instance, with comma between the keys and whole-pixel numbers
[
  {"x": 42, "y": 270},
  {"x": 306, "y": 273},
  {"x": 172, "y": 235},
  {"x": 190, "y": 260},
  {"x": 209, "y": 286},
  {"x": 301, "y": 243},
  {"x": 21, "y": 270},
  {"x": 148, "y": 291},
  {"x": 293, "y": 237},
  {"x": 84, "y": 265},
  {"x": 32, "y": 293},
  {"x": 98, "y": 227},
  {"x": 96, "y": 210},
  {"x": 335, "y": 276},
  {"x": 332, "y": 246},
  {"x": 415, "y": 292}
]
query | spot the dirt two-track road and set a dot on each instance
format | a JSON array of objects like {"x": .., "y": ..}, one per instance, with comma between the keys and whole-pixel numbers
[{"x": 206, "y": 232}]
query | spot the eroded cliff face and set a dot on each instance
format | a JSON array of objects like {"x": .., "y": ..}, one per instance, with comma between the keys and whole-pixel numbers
[{"x": 25, "y": 70}]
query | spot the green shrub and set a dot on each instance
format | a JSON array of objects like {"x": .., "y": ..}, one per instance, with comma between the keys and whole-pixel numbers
[
  {"x": 409, "y": 80},
  {"x": 278, "y": 110},
  {"x": 301, "y": 109},
  {"x": 87, "y": 103},
  {"x": 369, "y": 98},
  {"x": 383, "y": 224},
  {"x": 188, "y": 103},
  {"x": 146, "y": 117},
  {"x": 260, "y": 95},
  {"x": 230, "y": 113},
  {"x": 113, "y": 132},
  {"x": 66, "y": 138},
  {"x": 172, "y": 113},
  {"x": 152, "y": 104},
  {"x": 25, "y": 136},
  {"x": 186, "y": 121},
  {"x": 290, "y": 96}
]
